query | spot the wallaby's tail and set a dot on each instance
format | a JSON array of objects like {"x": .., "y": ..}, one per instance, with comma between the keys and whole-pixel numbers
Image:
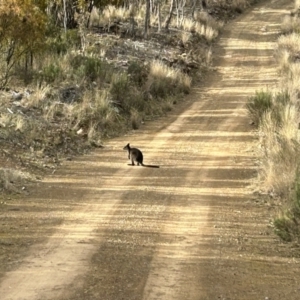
[{"x": 150, "y": 166}]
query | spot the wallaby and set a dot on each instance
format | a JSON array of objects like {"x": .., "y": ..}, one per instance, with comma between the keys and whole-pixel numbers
[{"x": 136, "y": 155}]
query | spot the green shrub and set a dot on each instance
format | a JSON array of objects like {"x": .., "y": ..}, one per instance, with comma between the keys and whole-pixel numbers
[
  {"x": 162, "y": 87},
  {"x": 280, "y": 103},
  {"x": 60, "y": 42},
  {"x": 257, "y": 105},
  {"x": 137, "y": 73},
  {"x": 91, "y": 68},
  {"x": 50, "y": 73}
]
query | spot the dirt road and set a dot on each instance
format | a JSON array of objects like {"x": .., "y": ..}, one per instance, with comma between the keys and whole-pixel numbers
[{"x": 191, "y": 229}]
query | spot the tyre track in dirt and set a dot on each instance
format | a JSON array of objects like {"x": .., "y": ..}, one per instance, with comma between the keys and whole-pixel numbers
[{"x": 177, "y": 232}]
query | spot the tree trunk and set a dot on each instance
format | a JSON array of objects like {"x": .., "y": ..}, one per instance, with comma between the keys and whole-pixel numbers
[
  {"x": 169, "y": 17},
  {"x": 147, "y": 19},
  {"x": 132, "y": 21},
  {"x": 193, "y": 9},
  {"x": 158, "y": 16}
]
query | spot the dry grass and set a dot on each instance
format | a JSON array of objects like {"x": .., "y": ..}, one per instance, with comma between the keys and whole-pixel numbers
[
  {"x": 281, "y": 139},
  {"x": 283, "y": 59},
  {"x": 290, "y": 42},
  {"x": 206, "y": 31},
  {"x": 111, "y": 12},
  {"x": 279, "y": 153},
  {"x": 38, "y": 98},
  {"x": 185, "y": 37},
  {"x": 188, "y": 24},
  {"x": 94, "y": 114},
  {"x": 292, "y": 80},
  {"x": 290, "y": 24},
  {"x": 159, "y": 70},
  {"x": 20, "y": 123},
  {"x": 95, "y": 17},
  {"x": 5, "y": 120},
  {"x": 277, "y": 117},
  {"x": 135, "y": 119}
]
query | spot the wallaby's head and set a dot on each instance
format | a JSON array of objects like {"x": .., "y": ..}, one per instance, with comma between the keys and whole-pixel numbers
[{"x": 127, "y": 147}]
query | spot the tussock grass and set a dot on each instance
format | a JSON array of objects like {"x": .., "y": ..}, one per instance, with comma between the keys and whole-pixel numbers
[
  {"x": 206, "y": 31},
  {"x": 290, "y": 42},
  {"x": 258, "y": 105},
  {"x": 290, "y": 24},
  {"x": 277, "y": 119},
  {"x": 279, "y": 155},
  {"x": 284, "y": 60},
  {"x": 286, "y": 222},
  {"x": 111, "y": 12},
  {"x": 95, "y": 17},
  {"x": 204, "y": 18},
  {"x": 5, "y": 120},
  {"x": 164, "y": 80},
  {"x": 188, "y": 24},
  {"x": 20, "y": 123},
  {"x": 94, "y": 112},
  {"x": 38, "y": 98},
  {"x": 185, "y": 37},
  {"x": 293, "y": 78}
]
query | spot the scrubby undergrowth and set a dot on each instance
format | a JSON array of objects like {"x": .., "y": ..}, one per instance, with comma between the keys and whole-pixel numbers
[{"x": 277, "y": 118}]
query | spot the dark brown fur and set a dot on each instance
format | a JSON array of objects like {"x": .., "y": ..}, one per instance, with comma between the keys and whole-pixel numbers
[{"x": 136, "y": 155}]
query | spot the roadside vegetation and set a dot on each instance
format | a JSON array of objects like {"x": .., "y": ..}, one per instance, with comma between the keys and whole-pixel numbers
[
  {"x": 277, "y": 117},
  {"x": 74, "y": 73}
]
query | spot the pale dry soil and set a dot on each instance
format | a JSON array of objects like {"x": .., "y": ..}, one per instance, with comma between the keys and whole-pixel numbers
[{"x": 192, "y": 229}]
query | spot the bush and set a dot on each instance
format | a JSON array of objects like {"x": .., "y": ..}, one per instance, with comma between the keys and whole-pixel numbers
[
  {"x": 91, "y": 68},
  {"x": 60, "y": 42},
  {"x": 95, "y": 113},
  {"x": 287, "y": 226},
  {"x": 50, "y": 73},
  {"x": 137, "y": 73},
  {"x": 120, "y": 90},
  {"x": 258, "y": 105}
]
